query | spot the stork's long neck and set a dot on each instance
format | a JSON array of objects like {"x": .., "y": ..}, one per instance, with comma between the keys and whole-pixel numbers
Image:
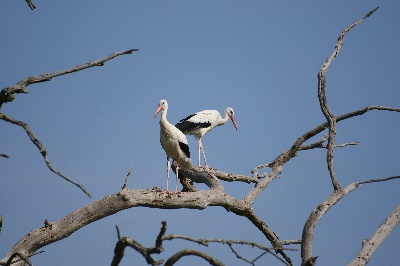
[
  {"x": 223, "y": 121},
  {"x": 163, "y": 121}
]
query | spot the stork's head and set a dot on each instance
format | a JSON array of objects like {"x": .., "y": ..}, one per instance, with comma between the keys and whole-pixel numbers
[
  {"x": 231, "y": 114},
  {"x": 162, "y": 105}
]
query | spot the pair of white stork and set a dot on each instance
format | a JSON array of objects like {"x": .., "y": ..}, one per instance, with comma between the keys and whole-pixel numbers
[{"x": 173, "y": 139}]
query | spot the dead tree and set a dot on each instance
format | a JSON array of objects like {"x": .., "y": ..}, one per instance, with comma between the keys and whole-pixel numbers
[{"x": 216, "y": 195}]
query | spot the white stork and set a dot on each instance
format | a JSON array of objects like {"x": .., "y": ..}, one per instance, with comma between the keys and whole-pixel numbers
[
  {"x": 200, "y": 123},
  {"x": 174, "y": 143}
]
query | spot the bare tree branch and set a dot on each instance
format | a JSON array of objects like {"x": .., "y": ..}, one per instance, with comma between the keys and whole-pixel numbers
[
  {"x": 8, "y": 94},
  {"x": 320, "y": 145},
  {"x": 308, "y": 230},
  {"x": 145, "y": 252},
  {"x": 317, "y": 144},
  {"x": 239, "y": 256},
  {"x": 200, "y": 175},
  {"x": 206, "y": 241},
  {"x": 4, "y": 155},
  {"x": 186, "y": 252},
  {"x": 21, "y": 258},
  {"x": 377, "y": 238},
  {"x": 125, "y": 199},
  {"x": 31, "y": 6},
  {"x": 229, "y": 177},
  {"x": 127, "y": 177},
  {"x": 42, "y": 150},
  {"x": 292, "y": 152},
  {"x": 323, "y": 102}
]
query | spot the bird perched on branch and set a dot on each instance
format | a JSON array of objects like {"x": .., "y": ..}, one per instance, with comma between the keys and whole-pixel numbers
[
  {"x": 200, "y": 123},
  {"x": 174, "y": 143}
]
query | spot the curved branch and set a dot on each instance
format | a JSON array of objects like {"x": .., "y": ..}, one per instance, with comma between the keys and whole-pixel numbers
[
  {"x": 187, "y": 252},
  {"x": 42, "y": 149},
  {"x": 124, "y": 199},
  {"x": 308, "y": 230},
  {"x": 8, "y": 94}
]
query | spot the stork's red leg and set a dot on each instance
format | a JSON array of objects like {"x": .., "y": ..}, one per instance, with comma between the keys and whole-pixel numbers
[
  {"x": 202, "y": 150},
  {"x": 168, "y": 170}
]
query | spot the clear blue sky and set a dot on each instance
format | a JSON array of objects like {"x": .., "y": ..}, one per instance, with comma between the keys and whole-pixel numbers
[{"x": 259, "y": 57}]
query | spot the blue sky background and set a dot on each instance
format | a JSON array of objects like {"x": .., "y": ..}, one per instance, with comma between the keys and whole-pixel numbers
[{"x": 259, "y": 57}]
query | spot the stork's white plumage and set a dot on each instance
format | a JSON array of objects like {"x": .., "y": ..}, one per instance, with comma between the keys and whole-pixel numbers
[
  {"x": 174, "y": 143},
  {"x": 200, "y": 123}
]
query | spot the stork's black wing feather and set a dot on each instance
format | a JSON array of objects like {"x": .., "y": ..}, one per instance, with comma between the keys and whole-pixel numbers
[{"x": 185, "y": 148}]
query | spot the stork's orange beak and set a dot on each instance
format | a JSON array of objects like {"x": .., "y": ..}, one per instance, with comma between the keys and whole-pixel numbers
[
  {"x": 233, "y": 121},
  {"x": 157, "y": 111}
]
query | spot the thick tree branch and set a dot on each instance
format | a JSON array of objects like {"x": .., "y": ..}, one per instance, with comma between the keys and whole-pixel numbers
[
  {"x": 377, "y": 238},
  {"x": 42, "y": 149},
  {"x": 308, "y": 230},
  {"x": 124, "y": 199},
  {"x": 8, "y": 94},
  {"x": 200, "y": 175}
]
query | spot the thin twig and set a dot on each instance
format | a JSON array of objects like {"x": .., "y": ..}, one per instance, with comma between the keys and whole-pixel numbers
[
  {"x": 238, "y": 255},
  {"x": 118, "y": 232},
  {"x": 127, "y": 177},
  {"x": 317, "y": 144}
]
